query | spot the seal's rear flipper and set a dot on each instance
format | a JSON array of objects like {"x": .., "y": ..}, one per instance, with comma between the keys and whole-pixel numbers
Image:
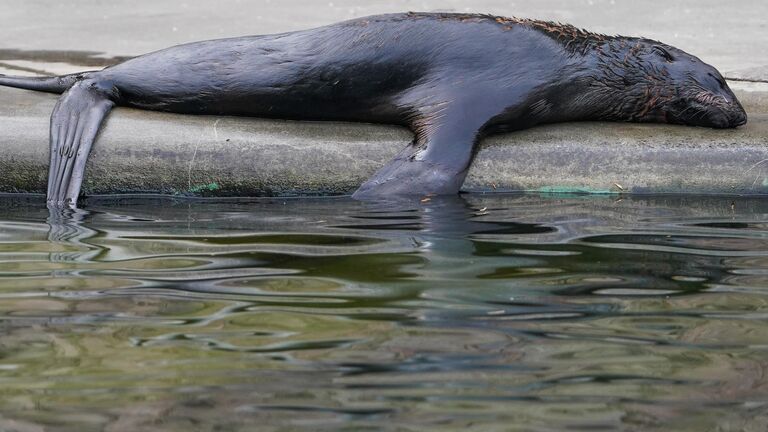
[
  {"x": 74, "y": 124},
  {"x": 58, "y": 84}
]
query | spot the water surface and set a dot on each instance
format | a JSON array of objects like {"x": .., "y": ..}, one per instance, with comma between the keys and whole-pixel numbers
[{"x": 478, "y": 313}]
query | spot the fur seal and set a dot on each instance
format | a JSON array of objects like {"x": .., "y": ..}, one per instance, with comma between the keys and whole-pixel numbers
[{"x": 450, "y": 78}]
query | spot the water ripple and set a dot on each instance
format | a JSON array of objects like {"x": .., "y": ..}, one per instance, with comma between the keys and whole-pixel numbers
[{"x": 549, "y": 313}]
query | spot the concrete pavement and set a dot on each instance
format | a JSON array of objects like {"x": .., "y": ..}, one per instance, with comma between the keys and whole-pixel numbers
[{"x": 151, "y": 152}]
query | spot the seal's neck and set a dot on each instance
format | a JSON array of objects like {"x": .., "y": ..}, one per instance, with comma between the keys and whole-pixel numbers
[{"x": 614, "y": 80}]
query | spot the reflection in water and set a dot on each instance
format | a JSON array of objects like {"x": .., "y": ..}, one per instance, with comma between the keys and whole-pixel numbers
[
  {"x": 476, "y": 313},
  {"x": 67, "y": 228}
]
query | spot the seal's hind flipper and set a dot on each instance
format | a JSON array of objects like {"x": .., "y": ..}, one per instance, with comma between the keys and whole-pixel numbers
[
  {"x": 58, "y": 84},
  {"x": 74, "y": 124}
]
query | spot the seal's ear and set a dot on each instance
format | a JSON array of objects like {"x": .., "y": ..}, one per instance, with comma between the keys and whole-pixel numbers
[{"x": 663, "y": 53}]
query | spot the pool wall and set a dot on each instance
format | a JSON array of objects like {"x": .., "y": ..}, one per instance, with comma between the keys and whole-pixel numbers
[{"x": 147, "y": 152}]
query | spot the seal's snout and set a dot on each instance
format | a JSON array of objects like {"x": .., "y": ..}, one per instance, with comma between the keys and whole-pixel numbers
[
  {"x": 734, "y": 112},
  {"x": 708, "y": 108},
  {"x": 738, "y": 118}
]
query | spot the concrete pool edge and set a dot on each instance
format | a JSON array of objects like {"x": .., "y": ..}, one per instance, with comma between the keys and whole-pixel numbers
[{"x": 145, "y": 152}]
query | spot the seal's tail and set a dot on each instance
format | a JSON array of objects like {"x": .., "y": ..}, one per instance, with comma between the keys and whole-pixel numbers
[{"x": 58, "y": 84}]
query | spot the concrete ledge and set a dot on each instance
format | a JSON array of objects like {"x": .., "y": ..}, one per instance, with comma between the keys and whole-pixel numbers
[{"x": 141, "y": 151}]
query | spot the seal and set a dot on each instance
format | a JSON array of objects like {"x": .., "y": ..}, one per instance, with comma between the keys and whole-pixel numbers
[{"x": 451, "y": 78}]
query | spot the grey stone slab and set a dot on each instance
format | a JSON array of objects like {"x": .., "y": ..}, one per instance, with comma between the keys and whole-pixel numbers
[
  {"x": 152, "y": 152},
  {"x": 141, "y": 151}
]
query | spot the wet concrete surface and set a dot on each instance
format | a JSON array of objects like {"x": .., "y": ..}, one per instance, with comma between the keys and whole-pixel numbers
[
  {"x": 141, "y": 151},
  {"x": 204, "y": 155}
]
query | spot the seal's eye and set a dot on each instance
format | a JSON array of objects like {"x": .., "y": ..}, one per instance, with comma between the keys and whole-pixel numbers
[
  {"x": 719, "y": 80},
  {"x": 664, "y": 53}
]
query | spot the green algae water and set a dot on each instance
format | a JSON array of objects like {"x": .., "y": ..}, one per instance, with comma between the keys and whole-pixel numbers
[{"x": 482, "y": 313}]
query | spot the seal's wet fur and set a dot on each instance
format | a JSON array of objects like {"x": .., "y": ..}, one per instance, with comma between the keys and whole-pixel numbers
[{"x": 450, "y": 78}]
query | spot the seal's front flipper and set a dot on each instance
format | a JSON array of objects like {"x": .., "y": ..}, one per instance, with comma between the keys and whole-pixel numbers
[
  {"x": 74, "y": 124},
  {"x": 410, "y": 175},
  {"x": 436, "y": 163}
]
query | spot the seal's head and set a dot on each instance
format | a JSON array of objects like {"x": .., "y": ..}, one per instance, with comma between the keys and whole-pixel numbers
[
  {"x": 701, "y": 97},
  {"x": 668, "y": 85}
]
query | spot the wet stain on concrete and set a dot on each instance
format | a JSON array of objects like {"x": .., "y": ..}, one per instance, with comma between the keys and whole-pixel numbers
[{"x": 79, "y": 58}]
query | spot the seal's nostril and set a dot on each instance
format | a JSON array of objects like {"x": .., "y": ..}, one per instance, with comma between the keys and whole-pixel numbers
[{"x": 739, "y": 119}]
